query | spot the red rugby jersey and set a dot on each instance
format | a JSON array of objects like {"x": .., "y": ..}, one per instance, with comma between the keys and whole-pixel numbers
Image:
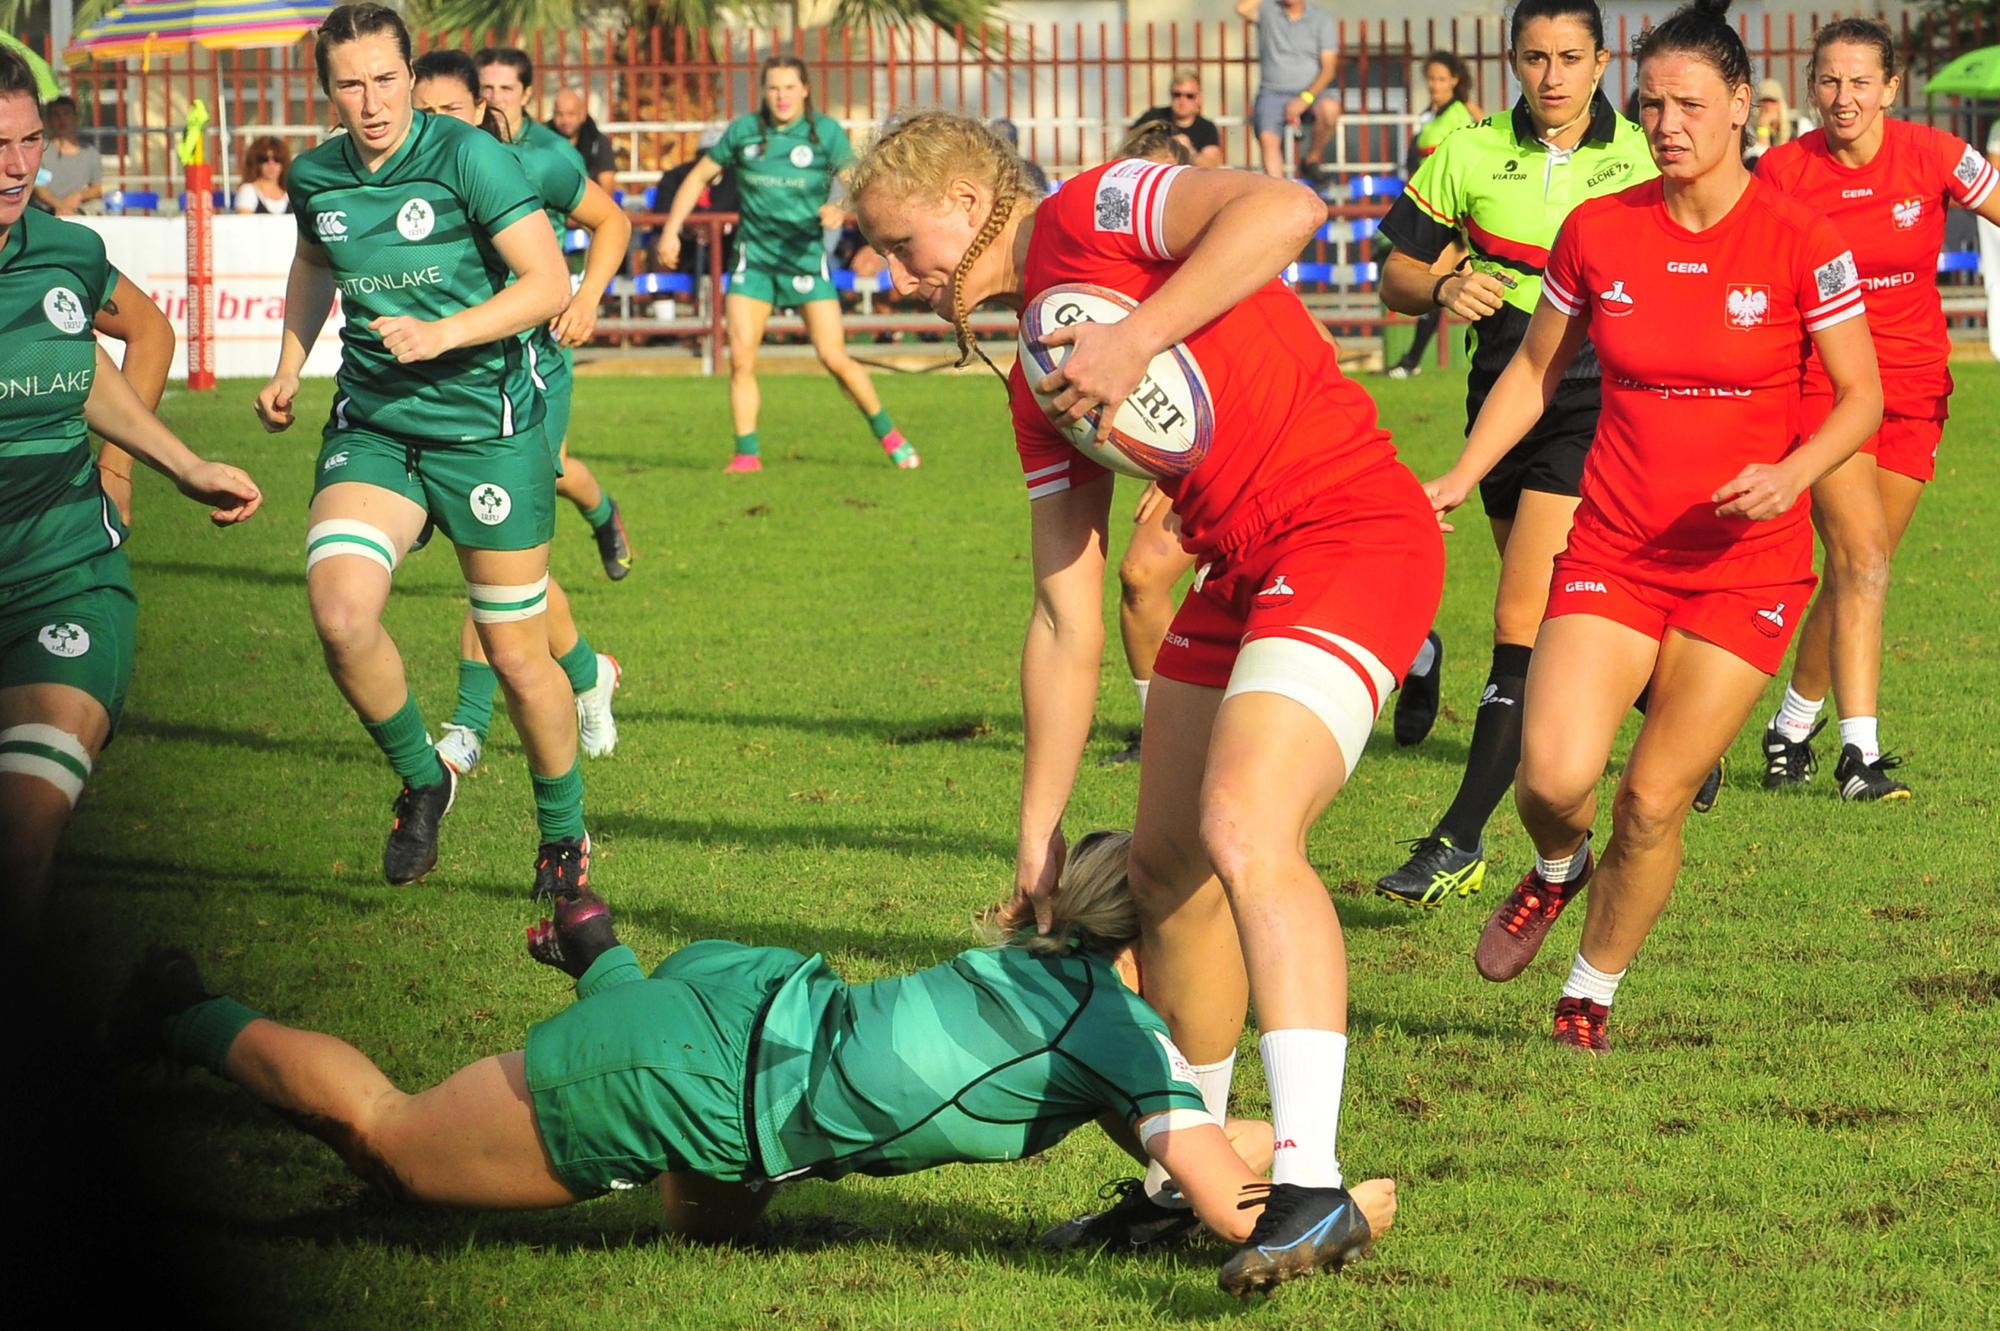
[
  {"x": 1288, "y": 424},
  {"x": 1703, "y": 336},
  {"x": 1892, "y": 212}
]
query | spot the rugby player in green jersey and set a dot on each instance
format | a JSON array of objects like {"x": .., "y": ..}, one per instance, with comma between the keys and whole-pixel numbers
[
  {"x": 505, "y": 75},
  {"x": 788, "y": 159},
  {"x": 68, "y": 619},
  {"x": 733, "y": 1068},
  {"x": 439, "y": 250},
  {"x": 447, "y": 83}
]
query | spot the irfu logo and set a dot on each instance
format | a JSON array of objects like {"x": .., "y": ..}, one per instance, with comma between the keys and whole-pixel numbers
[{"x": 491, "y": 504}]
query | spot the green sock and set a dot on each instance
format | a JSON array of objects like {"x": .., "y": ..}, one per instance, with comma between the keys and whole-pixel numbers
[
  {"x": 203, "y": 1033},
  {"x": 881, "y": 424},
  {"x": 559, "y": 804},
  {"x": 408, "y": 743},
  {"x": 600, "y": 515},
  {"x": 580, "y": 664},
  {"x": 747, "y": 443},
  {"x": 474, "y": 711}
]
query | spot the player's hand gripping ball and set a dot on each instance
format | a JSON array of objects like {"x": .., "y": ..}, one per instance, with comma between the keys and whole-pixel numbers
[{"x": 1163, "y": 430}]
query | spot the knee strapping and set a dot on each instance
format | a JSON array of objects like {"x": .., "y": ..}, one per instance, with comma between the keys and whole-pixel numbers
[
  {"x": 497, "y": 604},
  {"x": 344, "y": 536},
  {"x": 47, "y": 753}
]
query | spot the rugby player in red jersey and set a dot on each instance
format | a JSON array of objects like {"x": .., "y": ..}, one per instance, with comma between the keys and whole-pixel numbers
[
  {"x": 1885, "y": 184},
  {"x": 1322, "y": 570},
  {"x": 1690, "y": 560}
]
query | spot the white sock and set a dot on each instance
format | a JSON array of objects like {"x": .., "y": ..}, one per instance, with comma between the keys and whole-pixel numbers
[
  {"x": 1564, "y": 869},
  {"x": 1305, "y": 1069},
  {"x": 1860, "y": 732},
  {"x": 1140, "y": 686},
  {"x": 1213, "y": 1079},
  {"x": 1426, "y": 658},
  {"x": 1586, "y": 981},
  {"x": 1796, "y": 715}
]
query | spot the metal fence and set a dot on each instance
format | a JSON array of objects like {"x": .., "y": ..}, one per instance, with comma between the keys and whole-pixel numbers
[{"x": 1070, "y": 88}]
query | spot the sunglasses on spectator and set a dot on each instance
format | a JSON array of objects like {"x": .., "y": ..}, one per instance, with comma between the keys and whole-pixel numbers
[{"x": 1179, "y": 95}]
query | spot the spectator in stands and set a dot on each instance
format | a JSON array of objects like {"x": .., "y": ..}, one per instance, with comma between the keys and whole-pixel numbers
[
  {"x": 1011, "y": 132},
  {"x": 572, "y": 120},
  {"x": 76, "y": 172},
  {"x": 1989, "y": 254},
  {"x": 1298, "y": 53},
  {"x": 1182, "y": 115},
  {"x": 266, "y": 163},
  {"x": 1773, "y": 123},
  {"x": 719, "y": 197}
]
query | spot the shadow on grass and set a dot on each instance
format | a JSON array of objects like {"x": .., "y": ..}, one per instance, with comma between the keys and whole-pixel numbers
[
  {"x": 235, "y": 571},
  {"x": 903, "y": 840},
  {"x": 136, "y": 726},
  {"x": 960, "y": 728},
  {"x": 84, "y": 868}
]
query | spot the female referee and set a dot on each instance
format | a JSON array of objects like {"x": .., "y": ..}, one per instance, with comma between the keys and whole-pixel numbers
[
  {"x": 1886, "y": 185},
  {"x": 733, "y": 1068},
  {"x": 1277, "y": 664},
  {"x": 420, "y": 222},
  {"x": 1471, "y": 236},
  {"x": 788, "y": 159},
  {"x": 1690, "y": 560}
]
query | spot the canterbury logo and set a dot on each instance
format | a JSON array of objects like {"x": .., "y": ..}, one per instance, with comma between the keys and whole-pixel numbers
[{"x": 330, "y": 226}]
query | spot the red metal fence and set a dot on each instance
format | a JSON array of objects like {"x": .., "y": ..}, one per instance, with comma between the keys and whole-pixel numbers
[{"x": 1070, "y": 87}]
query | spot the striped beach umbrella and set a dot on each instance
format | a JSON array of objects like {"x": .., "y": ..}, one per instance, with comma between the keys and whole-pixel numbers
[{"x": 146, "y": 28}]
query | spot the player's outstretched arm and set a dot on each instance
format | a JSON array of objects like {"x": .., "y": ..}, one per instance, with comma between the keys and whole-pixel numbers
[
  {"x": 703, "y": 174},
  {"x": 1059, "y": 668},
  {"x": 1233, "y": 231},
  {"x": 1226, "y": 1194},
  {"x": 1519, "y": 397},
  {"x": 115, "y": 411},
  {"x": 308, "y": 300},
  {"x": 129, "y": 315},
  {"x": 539, "y": 293},
  {"x": 610, "y": 237}
]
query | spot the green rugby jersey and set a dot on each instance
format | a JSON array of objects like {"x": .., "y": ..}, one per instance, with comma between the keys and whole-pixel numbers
[
  {"x": 555, "y": 171},
  {"x": 994, "y": 1055},
  {"x": 1502, "y": 192},
  {"x": 783, "y": 176},
  {"x": 415, "y": 238},
  {"x": 53, "y": 514}
]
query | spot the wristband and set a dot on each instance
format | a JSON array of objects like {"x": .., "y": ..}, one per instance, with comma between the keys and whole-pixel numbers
[
  {"x": 1437, "y": 288},
  {"x": 1307, "y": 96}
]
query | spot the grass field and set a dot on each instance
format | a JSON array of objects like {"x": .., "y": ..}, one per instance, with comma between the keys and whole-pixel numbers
[{"x": 819, "y": 748}]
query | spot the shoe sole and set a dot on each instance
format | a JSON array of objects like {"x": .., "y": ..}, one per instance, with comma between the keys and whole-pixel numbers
[{"x": 1271, "y": 1274}]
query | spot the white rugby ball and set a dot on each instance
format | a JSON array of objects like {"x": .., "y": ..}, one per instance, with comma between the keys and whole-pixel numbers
[{"x": 1162, "y": 431}]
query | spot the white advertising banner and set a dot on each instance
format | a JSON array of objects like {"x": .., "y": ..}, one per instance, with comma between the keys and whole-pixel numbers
[{"x": 253, "y": 255}]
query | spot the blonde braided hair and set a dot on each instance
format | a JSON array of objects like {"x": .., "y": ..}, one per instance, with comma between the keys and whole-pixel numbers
[{"x": 917, "y": 156}]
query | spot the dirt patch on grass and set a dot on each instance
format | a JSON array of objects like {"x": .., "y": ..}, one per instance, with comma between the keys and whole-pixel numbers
[
  {"x": 1936, "y": 991},
  {"x": 954, "y": 732}
]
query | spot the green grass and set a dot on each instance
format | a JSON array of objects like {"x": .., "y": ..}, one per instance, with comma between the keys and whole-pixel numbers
[{"x": 819, "y": 748}]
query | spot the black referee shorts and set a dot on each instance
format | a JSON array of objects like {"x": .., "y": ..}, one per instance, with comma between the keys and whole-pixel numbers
[{"x": 1550, "y": 457}]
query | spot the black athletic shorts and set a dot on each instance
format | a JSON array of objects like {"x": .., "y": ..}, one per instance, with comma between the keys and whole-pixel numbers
[{"x": 1550, "y": 457}]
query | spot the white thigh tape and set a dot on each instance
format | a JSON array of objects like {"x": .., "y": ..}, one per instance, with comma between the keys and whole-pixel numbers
[
  {"x": 53, "y": 755},
  {"x": 1327, "y": 681},
  {"x": 344, "y": 536},
  {"x": 504, "y": 605}
]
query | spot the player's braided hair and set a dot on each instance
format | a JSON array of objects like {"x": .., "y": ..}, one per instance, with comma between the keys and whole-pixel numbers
[
  {"x": 1091, "y": 910},
  {"x": 917, "y": 156},
  {"x": 351, "y": 23},
  {"x": 765, "y": 124}
]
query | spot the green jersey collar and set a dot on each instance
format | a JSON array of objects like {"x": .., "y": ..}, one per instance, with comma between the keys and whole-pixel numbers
[{"x": 1603, "y": 122}]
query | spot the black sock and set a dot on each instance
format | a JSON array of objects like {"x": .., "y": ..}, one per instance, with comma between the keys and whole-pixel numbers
[
  {"x": 1427, "y": 325},
  {"x": 1496, "y": 749}
]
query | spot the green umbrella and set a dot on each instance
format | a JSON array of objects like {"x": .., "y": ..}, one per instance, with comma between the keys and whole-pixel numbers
[
  {"x": 1975, "y": 74},
  {"x": 45, "y": 78}
]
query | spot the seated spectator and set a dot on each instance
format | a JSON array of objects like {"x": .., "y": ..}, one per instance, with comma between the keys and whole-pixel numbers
[
  {"x": 265, "y": 164},
  {"x": 1183, "y": 118},
  {"x": 572, "y": 120},
  {"x": 1007, "y": 130},
  {"x": 75, "y": 171}
]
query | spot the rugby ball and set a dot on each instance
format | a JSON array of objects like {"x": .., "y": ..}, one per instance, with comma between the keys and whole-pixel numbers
[{"x": 1162, "y": 431}]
